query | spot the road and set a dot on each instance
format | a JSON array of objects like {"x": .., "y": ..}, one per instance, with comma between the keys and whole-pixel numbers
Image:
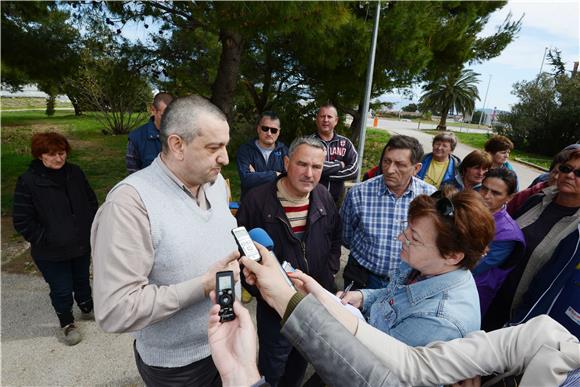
[{"x": 525, "y": 173}]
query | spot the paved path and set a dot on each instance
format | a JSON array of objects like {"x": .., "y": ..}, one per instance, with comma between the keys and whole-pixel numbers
[
  {"x": 33, "y": 356},
  {"x": 525, "y": 173}
]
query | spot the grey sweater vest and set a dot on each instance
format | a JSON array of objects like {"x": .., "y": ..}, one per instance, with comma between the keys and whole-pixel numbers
[{"x": 187, "y": 241}]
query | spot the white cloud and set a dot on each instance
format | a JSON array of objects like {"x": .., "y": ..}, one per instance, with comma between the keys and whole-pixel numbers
[{"x": 558, "y": 18}]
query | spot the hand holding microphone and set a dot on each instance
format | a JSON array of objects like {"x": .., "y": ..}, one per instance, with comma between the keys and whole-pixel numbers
[{"x": 275, "y": 287}]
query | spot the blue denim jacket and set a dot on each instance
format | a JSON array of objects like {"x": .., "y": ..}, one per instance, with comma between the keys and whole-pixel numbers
[{"x": 442, "y": 307}]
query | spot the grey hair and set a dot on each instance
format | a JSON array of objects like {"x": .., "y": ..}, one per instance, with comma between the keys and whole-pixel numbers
[
  {"x": 305, "y": 140},
  {"x": 182, "y": 118}
]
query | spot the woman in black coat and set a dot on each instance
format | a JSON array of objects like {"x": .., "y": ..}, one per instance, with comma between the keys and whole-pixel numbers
[{"x": 54, "y": 207}]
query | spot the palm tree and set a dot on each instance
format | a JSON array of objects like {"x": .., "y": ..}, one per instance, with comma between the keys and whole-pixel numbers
[{"x": 456, "y": 90}]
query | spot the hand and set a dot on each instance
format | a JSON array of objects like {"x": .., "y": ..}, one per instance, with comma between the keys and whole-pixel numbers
[
  {"x": 251, "y": 168},
  {"x": 306, "y": 284},
  {"x": 269, "y": 280},
  {"x": 233, "y": 346},
  {"x": 473, "y": 382},
  {"x": 228, "y": 263},
  {"x": 355, "y": 298}
]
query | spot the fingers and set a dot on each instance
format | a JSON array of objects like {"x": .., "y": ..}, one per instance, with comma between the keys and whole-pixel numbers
[
  {"x": 243, "y": 315},
  {"x": 267, "y": 259},
  {"x": 251, "y": 266},
  {"x": 299, "y": 275},
  {"x": 232, "y": 257},
  {"x": 212, "y": 297},
  {"x": 214, "y": 317}
]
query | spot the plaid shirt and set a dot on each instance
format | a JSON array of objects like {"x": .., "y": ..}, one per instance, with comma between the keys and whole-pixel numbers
[{"x": 372, "y": 219}]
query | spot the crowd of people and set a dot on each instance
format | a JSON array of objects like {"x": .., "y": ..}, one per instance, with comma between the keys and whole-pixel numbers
[{"x": 449, "y": 263}]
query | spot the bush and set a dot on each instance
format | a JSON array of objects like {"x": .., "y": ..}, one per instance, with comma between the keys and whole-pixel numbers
[{"x": 547, "y": 118}]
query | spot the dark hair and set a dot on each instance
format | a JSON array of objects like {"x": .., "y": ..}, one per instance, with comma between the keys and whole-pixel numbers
[
  {"x": 270, "y": 114},
  {"x": 475, "y": 159},
  {"x": 498, "y": 143},
  {"x": 406, "y": 142},
  {"x": 48, "y": 142},
  {"x": 508, "y": 177},
  {"x": 469, "y": 230},
  {"x": 446, "y": 137},
  {"x": 327, "y": 105},
  {"x": 164, "y": 97}
]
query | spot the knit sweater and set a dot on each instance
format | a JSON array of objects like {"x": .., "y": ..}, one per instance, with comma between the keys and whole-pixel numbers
[{"x": 187, "y": 241}]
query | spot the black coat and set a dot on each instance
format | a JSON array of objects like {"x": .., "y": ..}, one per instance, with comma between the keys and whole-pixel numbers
[
  {"x": 318, "y": 254},
  {"x": 56, "y": 219}
]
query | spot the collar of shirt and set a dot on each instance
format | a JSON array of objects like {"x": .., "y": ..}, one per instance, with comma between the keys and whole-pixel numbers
[
  {"x": 200, "y": 198},
  {"x": 421, "y": 290},
  {"x": 384, "y": 190}
]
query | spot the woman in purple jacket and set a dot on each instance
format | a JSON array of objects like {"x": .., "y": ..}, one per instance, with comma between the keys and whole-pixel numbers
[{"x": 497, "y": 188}]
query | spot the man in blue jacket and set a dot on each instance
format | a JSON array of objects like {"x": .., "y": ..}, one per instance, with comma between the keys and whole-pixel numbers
[
  {"x": 261, "y": 159},
  {"x": 144, "y": 144}
]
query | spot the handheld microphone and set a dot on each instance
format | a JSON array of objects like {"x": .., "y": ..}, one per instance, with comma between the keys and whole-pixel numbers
[{"x": 261, "y": 236}]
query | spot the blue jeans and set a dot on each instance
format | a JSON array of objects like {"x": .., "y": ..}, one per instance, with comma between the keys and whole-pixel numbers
[{"x": 67, "y": 279}]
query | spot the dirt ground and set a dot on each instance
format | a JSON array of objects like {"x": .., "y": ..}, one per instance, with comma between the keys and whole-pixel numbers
[{"x": 15, "y": 251}]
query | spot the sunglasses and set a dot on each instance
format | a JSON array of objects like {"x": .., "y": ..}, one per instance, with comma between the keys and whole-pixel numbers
[
  {"x": 269, "y": 128},
  {"x": 445, "y": 207},
  {"x": 567, "y": 169}
]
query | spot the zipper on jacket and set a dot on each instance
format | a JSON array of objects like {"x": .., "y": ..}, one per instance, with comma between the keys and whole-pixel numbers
[
  {"x": 289, "y": 229},
  {"x": 304, "y": 254}
]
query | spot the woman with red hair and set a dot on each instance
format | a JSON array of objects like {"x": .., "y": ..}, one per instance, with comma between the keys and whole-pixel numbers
[{"x": 54, "y": 207}]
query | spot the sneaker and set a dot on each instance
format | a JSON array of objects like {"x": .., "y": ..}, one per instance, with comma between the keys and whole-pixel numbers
[
  {"x": 71, "y": 335},
  {"x": 87, "y": 316}
]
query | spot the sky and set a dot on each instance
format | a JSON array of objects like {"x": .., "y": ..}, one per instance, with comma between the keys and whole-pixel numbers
[{"x": 553, "y": 24}]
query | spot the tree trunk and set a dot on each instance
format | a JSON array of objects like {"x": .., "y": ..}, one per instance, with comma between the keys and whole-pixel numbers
[
  {"x": 355, "y": 125},
  {"x": 224, "y": 86},
  {"x": 76, "y": 105},
  {"x": 443, "y": 122},
  {"x": 50, "y": 103}
]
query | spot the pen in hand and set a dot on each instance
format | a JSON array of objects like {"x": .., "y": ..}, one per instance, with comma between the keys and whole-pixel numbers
[{"x": 346, "y": 290}]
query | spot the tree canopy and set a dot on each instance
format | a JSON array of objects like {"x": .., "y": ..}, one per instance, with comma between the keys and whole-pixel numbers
[
  {"x": 457, "y": 90},
  {"x": 248, "y": 57}
]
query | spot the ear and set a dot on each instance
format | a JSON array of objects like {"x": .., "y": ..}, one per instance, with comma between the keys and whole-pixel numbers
[
  {"x": 454, "y": 259},
  {"x": 286, "y": 162},
  {"x": 175, "y": 145},
  {"x": 417, "y": 168}
]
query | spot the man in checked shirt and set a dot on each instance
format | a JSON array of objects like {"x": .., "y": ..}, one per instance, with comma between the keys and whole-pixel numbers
[{"x": 374, "y": 213}]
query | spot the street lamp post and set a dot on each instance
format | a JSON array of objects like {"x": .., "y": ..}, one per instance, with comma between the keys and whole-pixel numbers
[
  {"x": 484, "y": 101},
  {"x": 367, "y": 96}
]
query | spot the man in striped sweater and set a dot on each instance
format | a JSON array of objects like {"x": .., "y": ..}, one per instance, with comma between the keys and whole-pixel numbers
[{"x": 301, "y": 218}]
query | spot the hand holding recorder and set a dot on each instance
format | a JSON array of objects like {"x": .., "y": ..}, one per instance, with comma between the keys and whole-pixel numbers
[{"x": 232, "y": 344}]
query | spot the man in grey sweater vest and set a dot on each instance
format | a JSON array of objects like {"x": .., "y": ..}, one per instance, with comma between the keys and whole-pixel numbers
[{"x": 158, "y": 240}]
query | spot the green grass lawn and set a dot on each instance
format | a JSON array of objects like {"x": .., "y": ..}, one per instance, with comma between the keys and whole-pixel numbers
[
  {"x": 375, "y": 141},
  {"x": 101, "y": 157},
  {"x": 477, "y": 140}
]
